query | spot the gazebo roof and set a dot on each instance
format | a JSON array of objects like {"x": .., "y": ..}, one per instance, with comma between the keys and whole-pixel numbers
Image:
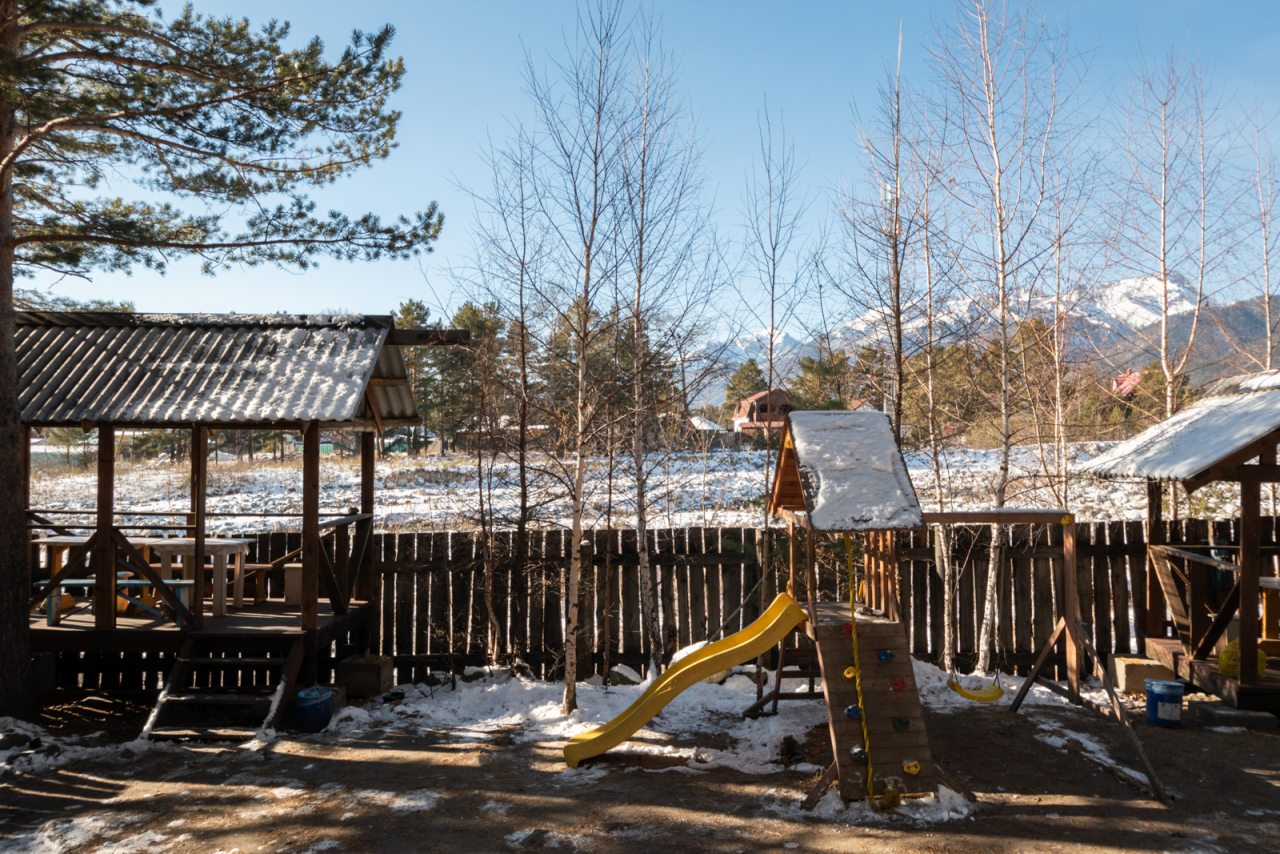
[
  {"x": 844, "y": 470},
  {"x": 157, "y": 370},
  {"x": 1232, "y": 423}
]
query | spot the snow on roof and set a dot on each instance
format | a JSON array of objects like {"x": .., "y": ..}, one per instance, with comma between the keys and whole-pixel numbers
[
  {"x": 1208, "y": 431},
  {"x": 852, "y": 472},
  {"x": 700, "y": 423},
  {"x": 209, "y": 369}
]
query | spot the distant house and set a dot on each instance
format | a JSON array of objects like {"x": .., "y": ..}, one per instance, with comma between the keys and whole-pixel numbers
[{"x": 763, "y": 413}]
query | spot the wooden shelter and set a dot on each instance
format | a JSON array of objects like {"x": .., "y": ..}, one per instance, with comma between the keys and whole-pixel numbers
[
  {"x": 111, "y": 371},
  {"x": 1229, "y": 436}
]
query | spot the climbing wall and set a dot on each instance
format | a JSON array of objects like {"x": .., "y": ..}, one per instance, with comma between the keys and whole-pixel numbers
[{"x": 896, "y": 733}]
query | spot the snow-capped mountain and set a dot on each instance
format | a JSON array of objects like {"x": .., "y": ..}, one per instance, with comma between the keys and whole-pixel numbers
[{"x": 1136, "y": 303}]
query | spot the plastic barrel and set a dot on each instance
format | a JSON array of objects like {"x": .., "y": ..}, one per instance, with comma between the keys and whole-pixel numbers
[
  {"x": 315, "y": 707},
  {"x": 1164, "y": 702}
]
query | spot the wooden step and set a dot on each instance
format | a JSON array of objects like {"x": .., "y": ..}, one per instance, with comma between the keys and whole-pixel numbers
[
  {"x": 220, "y": 698},
  {"x": 202, "y": 734}
]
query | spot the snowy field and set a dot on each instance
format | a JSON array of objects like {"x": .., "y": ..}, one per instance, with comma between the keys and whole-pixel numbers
[{"x": 719, "y": 488}]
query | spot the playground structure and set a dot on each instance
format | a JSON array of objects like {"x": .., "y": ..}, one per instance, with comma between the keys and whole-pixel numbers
[
  {"x": 841, "y": 473},
  {"x": 1196, "y": 591}
]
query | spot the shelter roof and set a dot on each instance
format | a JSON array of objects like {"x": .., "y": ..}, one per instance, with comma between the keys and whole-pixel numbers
[
  {"x": 1236, "y": 414},
  {"x": 844, "y": 470},
  {"x": 215, "y": 369}
]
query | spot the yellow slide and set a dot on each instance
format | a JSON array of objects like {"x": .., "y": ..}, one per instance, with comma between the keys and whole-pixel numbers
[{"x": 772, "y": 626}]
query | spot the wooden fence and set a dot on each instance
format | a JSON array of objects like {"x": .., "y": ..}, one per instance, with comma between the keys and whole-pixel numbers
[{"x": 433, "y": 615}]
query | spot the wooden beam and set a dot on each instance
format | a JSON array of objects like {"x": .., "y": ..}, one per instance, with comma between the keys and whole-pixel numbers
[
  {"x": 104, "y": 552},
  {"x": 1250, "y": 559},
  {"x": 366, "y": 588},
  {"x": 1071, "y": 607},
  {"x": 199, "y": 498},
  {"x": 428, "y": 337},
  {"x": 310, "y": 526},
  {"x": 1155, "y": 537},
  {"x": 1003, "y": 515}
]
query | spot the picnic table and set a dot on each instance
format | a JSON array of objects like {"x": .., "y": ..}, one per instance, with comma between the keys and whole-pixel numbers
[{"x": 227, "y": 553}]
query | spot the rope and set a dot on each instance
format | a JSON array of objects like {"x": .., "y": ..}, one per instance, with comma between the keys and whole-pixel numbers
[{"x": 857, "y": 672}]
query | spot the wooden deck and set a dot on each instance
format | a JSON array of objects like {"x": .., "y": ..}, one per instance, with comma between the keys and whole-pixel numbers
[
  {"x": 1263, "y": 696},
  {"x": 76, "y": 630}
]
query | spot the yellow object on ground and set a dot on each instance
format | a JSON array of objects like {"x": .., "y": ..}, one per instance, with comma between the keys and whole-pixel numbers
[
  {"x": 1229, "y": 660},
  {"x": 989, "y": 694},
  {"x": 766, "y": 632}
]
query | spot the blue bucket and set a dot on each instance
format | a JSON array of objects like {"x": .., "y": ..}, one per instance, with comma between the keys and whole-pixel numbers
[
  {"x": 1164, "y": 702},
  {"x": 315, "y": 707}
]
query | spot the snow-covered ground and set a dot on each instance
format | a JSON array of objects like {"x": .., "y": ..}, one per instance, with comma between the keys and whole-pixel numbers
[
  {"x": 489, "y": 706},
  {"x": 719, "y": 488}
]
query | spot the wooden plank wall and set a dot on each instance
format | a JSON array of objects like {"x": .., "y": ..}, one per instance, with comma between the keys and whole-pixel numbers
[{"x": 432, "y": 614}]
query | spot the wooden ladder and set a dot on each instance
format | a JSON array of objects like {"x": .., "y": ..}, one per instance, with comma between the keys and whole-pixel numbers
[
  {"x": 205, "y": 697},
  {"x": 798, "y": 661}
]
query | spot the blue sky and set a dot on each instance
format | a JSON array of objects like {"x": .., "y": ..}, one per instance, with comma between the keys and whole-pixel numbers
[{"x": 815, "y": 62}]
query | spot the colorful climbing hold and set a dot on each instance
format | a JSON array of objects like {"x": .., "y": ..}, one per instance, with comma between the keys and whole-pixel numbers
[
  {"x": 847, "y": 629},
  {"x": 910, "y": 767},
  {"x": 850, "y": 672},
  {"x": 859, "y": 755},
  {"x": 898, "y": 684},
  {"x": 901, "y": 724},
  {"x": 885, "y": 656},
  {"x": 854, "y": 711}
]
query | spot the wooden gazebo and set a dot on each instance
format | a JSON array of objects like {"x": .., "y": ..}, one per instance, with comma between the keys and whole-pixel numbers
[
  {"x": 112, "y": 371},
  {"x": 1228, "y": 436}
]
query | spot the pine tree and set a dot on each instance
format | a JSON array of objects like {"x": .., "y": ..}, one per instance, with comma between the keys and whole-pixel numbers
[
  {"x": 747, "y": 380},
  {"x": 225, "y": 119}
]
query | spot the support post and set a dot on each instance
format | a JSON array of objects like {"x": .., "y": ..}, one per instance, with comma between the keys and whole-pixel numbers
[
  {"x": 1071, "y": 607},
  {"x": 1250, "y": 558},
  {"x": 1155, "y": 537},
  {"x": 199, "y": 493},
  {"x": 104, "y": 553},
  {"x": 367, "y": 587},
  {"x": 1270, "y": 627},
  {"x": 811, "y": 573},
  {"x": 791, "y": 558},
  {"x": 310, "y": 525},
  {"x": 32, "y": 562}
]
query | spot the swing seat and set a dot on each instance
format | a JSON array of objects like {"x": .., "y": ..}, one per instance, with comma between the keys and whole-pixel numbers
[{"x": 989, "y": 694}]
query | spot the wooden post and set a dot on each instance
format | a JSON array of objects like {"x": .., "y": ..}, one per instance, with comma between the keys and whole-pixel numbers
[
  {"x": 791, "y": 558},
  {"x": 1250, "y": 558},
  {"x": 367, "y": 587},
  {"x": 811, "y": 573},
  {"x": 1155, "y": 537},
  {"x": 32, "y": 557},
  {"x": 104, "y": 553},
  {"x": 199, "y": 493},
  {"x": 310, "y": 525},
  {"x": 1071, "y": 605},
  {"x": 1270, "y": 627}
]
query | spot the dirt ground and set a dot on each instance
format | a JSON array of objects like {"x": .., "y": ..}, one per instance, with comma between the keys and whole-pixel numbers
[{"x": 464, "y": 792}]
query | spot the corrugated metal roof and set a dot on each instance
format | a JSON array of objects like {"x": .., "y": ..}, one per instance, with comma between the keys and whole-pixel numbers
[
  {"x": 1239, "y": 411},
  {"x": 165, "y": 369},
  {"x": 851, "y": 472}
]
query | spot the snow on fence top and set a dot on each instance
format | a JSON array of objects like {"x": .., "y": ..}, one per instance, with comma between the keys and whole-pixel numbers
[
  {"x": 845, "y": 470},
  {"x": 158, "y": 370},
  {"x": 1237, "y": 412}
]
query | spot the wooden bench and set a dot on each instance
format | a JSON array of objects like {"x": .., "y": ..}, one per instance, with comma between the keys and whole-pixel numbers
[{"x": 53, "y": 604}]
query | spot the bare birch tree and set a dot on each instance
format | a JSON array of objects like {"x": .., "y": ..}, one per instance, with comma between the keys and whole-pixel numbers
[
  {"x": 1000, "y": 75},
  {"x": 774, "y": 207},
  {"x": 1173, "y": 211},
  {"x": 580, "y": 151}
]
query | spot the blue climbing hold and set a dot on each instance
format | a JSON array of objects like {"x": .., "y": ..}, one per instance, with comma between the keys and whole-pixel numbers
[
  {"x": 885, "y": 656},
  {"x": 854, "y": 711}
]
